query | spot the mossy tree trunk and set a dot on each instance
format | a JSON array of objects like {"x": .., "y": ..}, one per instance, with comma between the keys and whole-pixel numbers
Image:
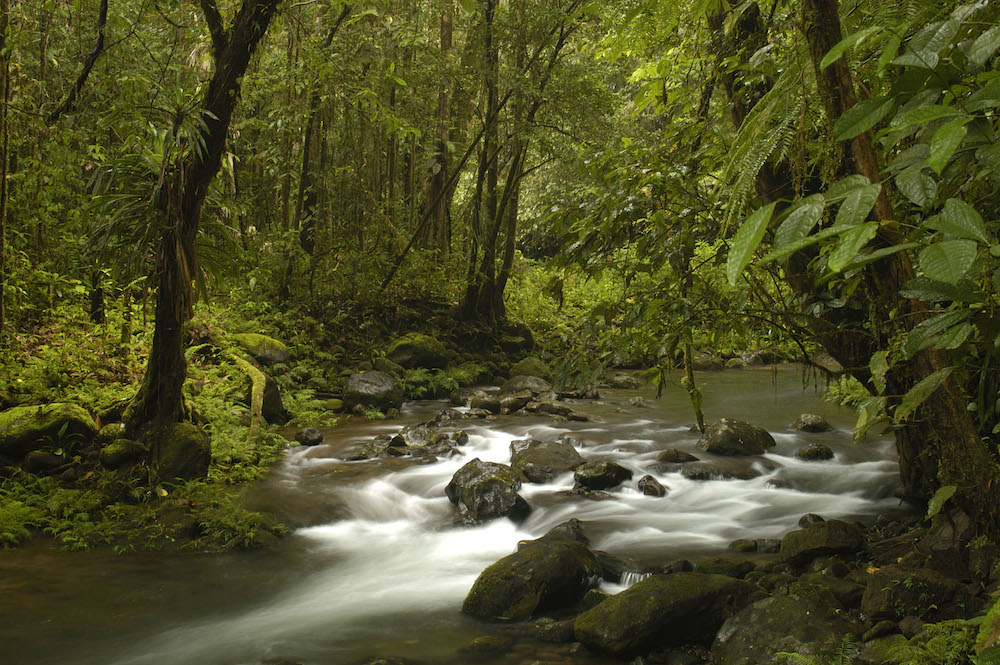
[{"x": 159, "y": 401}]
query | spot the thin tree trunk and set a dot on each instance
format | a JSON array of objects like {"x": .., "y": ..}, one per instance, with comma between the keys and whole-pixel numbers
[{"x": 4, "y": 154}]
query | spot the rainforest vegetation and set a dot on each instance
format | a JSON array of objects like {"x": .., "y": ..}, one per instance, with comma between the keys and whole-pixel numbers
[{"x": 213, "y": 214}]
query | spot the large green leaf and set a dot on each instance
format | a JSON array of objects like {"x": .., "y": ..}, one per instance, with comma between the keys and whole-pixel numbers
[
  {"x": 879, "y": 367},
  {"x": 923, "y": 115},
  {"x": 919, "y": 393},
  {"x": 848, "y": 42},
  {"x": 861, "y": 117},
  {"x": 468, "y": 5},
  {"x": 916, "y": 185},
  {"x": 870, "y": 257},
  {"x": 985, "y": 46},
  {"x": 923, "y": 49},
  {"x": 948, "y": 261},
  {"x": 954, "y": 337},
  {"x": 937, "y": 501},
  {"x": 851, "y": 242},
  {"x": 856, "y": 206},
  {"x": 845, "y": 186},
  {"x": 787, "y": 250},
  {"x": 945, "y": 142},
  {"x": 931, "y": 290},
  {"x": 800, "y": 221},
  {"x": 746, "y": 240},
  {"x": 924, "y": 334},
  {"x": 960, "y": 219}
]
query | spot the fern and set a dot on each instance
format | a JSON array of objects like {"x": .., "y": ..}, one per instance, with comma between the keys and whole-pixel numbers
[{"x": 844, "y": 655}]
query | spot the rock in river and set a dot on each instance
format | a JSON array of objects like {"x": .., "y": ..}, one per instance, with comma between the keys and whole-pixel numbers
[
  {"x": 541, "y": 461},
  {"x": 485, "y": 490},
  {"x": 554, "y": 571},
  {"x": 601, "y": 475},
  {"x": 373, "y": 389},
  {"x": 736, "y": 437}
]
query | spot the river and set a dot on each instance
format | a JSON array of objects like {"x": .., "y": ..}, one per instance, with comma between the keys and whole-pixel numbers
[{"x": 374, "y": 567}]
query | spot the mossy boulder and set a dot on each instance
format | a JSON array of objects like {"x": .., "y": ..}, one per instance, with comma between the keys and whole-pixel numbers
[
  {"x": 415, "y": 350},
  {"x": 184, "y": 452},
  {"x": 373, "y": 389},
  {"x": 532, "y": 366},
  {"x": 784, "y": 623},
  {"x": 486, "y": 490},
  {"x": 894, "y": 592},
  {"x": 601, "y": 475},
  {"x": 810, "y": 422},
  {"x": 707, "y": 362},
  {"x": 552, "y": 572},
  {"x": 265, "y": 350},
  {"x": 122, "y": 452},
  {"x": 517, "y": 338},
  {"x": 109, "y": 433},
  {"x": 541, "y": 461},
  {"x": 383, "y": 364},
  {"x": 822, "y": 538},
  {"x": 662, "y": 611},
  {"x": 815, "y": 453},
  {"x": 27, "y": 428},
  {"x": 735, "y": 438},
  {"x": 520, "y": 383}
]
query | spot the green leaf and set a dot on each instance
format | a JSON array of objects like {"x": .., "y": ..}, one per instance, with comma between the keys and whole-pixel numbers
[
  {"x": 954, "y": 337},
  {"x": 865, "y": 259},
  {"x": 948, "y": 261},
  {"x": 845, "y": 186},
  {"x": 468, "y": 5},
  {"x": 989, "y": 156},
  {"x": 851, "y": 241},
  {"x": 960, "y": 219},
  {"x": 889, "y": 53},
  {"x": 857, "y": 205},
  {"x": 945, "y": 142},
  {"x": 861, "y": 117},
  {"x": 985, "y": 46},
  {"x": 923, "y": 334},
  {"x": 787, "y": 250},
  {"x": 930, "y": 290},
  {"x": 990, "y": 656},
  {"x": 937, "y": 501},
  {"x": 916, "y": 185},
  {"x": 879, "y": 367},
  {"x": 746, "y": 240},
  {"x": 800, "y": 221},
  {"x": 848, "y": 42},
  {"x": 923, "y": 115},
  {"x": 920, "y": 392}
]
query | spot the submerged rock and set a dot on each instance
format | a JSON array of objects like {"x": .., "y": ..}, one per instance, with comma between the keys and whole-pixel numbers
[
  {"x": 736, "y": 437},
  {"x": 27, "y": 428},
  {"x": 675, "y": 456},
  {"x": 551, "y": 572},
  {"x": 541, "y": 461},
  {"x": 484, "y": 491},
  {"x": 309, "y": 436},
  {"x": 815, "y": 453},
  {"x": 373, "y": 389},
  {"x": 662, "y": 611}
]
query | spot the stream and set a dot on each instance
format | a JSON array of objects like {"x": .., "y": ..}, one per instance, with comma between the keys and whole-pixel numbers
[{"x": 374, "y": 567}]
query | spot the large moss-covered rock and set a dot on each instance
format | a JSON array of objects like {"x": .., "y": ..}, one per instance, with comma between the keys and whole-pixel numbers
[
  {"x": 822, "y": 538},
  {"x": 416, "y": 350},
  {"x": 373, "y": 389},
  {"x": 520, "y": 383},
  {"x": 121, "y": 452},
  {"x": 541, "y": 461},
  {"x": 601, "y": 475},
  {"x": 266, "y": 350},
  {"x": 184, "y": 452},
  {"x": 810, "y": 422},
  {"x": 894, "y": 592},
  {"x": 27, "y": 428},
  {"x": 486, "y": 490},
  {"x": 736, "y": 437},
  {"x": 551, "y": 572},
  {"x": 662, "y": 611},
  {"x": 781, "y": 623},
  {"x": 532, "y": 366}
]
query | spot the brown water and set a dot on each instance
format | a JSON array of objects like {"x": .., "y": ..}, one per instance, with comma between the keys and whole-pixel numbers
[{"x": 374, "y": 566}]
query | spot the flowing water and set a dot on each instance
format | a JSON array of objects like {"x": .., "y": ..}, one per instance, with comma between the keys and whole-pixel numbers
[{"x": 374, "y": 566}]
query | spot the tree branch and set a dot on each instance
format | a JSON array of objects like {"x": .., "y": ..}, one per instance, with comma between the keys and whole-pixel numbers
[
  {"x": 81, "y": 80},
  {"x": 216, "y": 26}
]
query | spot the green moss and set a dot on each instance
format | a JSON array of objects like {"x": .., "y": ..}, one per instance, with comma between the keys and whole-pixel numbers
[
  {"x": 25, "y": 428},
  {"x": 532, "y": 366},
  {"x": 265, "y": 349}
]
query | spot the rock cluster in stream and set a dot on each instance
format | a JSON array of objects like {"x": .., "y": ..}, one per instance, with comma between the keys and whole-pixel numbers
[{"x": 830, "y": 579}]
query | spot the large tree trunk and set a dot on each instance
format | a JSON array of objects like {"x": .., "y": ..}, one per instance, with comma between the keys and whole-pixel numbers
[
  {"x": 159, "y": 401},
  {"x": 941, "y": 445},
  {"x": 437, "y": 232},
  {"x": 4, "y": 151}
]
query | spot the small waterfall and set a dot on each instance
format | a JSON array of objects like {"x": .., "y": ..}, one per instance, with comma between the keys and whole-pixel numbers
[{"x": 629, "y": 578}]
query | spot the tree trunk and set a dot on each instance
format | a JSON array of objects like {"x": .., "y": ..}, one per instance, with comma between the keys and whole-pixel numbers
[
  {"x": 941, "y": 445},
  {"x": 159, "y": 401},
  {"x": 4, "y": 153},
  {"x": 437, "y": 232}
]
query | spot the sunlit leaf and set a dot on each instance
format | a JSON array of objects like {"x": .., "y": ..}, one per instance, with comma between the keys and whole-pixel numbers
[
  {"x": 746, "y": 240},
  {"x": 851, "y": 242},
  {"x": 861, "y": 117},
  {"x": 937, "y": 501},
  {"x": 948, "y": 261},
  {"x": 845, "y": 44},
  {"x": 857, "y": 204},
  {"x": 919, "y": 393},
  {"x": 799, "y": 221},
  {"x": 985, "y": 46},
  {"x": 924, "y": 334}
]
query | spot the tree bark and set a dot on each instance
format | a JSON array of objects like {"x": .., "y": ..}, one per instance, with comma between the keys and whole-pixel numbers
[
  {"x": 4, "y": 153},
  {"x": 159, "y": 401}
]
